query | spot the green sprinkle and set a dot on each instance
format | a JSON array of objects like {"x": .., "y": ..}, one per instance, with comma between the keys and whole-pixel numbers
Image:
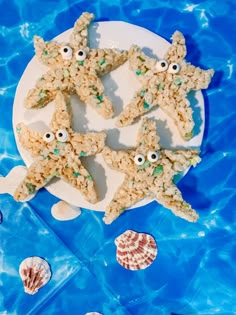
[
  {"x": 141, "y": 58},
  {"x": 81, "y": 63},
  {"x": 82, "y": 153},
  {"x": 45, "y": 52},
  {"x": 157, "y": 170},
  {"x": 100, "y": 98},
  {"x": 56, "y": 151},
  {"x": 144, "y": 165},
  {"x": 142, "y": 92},
  {"x": 177, "y": 81},
  {"x": 102, "y": 62},
  {"x": 160, "y": 86},
  {"x": 31, "y": 188},
  {"x": 146, "y": 105},
  {"x": 195, "y": 160},
  {"x": 42, "y": 93},
  {"x": 138, "y": 72},
  {"x": 186, "y": 205},
  {"x": 89, "y": 177},
  {"x": 76, "y": 174},
  {"x": 18, "y": 130}
]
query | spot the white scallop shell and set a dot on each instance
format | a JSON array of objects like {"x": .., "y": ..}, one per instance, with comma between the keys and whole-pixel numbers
[
  {"x": 135, "y": 250},
  {"x": 63, "y": 211},
  {"x": 35, "y": 273}
]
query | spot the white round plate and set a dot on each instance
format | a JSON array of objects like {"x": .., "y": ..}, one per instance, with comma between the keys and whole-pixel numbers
[{"x": 120, "y": 85}]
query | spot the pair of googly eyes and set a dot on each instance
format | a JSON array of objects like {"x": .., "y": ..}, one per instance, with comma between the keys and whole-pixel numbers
[
  {"x": 61, "y": 135},
  {"x": 152, "y": 156},
  {"x": 163, "y": 65},
  {"x": 67, "y": 52}
]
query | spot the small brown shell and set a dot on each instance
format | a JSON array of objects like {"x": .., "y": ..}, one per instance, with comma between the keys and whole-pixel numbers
[
  {"x": 35, "y": 272},
  {"x": 135, "y": 250}
]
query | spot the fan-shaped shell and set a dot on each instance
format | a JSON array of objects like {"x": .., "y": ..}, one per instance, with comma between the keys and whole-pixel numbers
[
  {"x": 135, "y": 250},
  {"x": 35, "y": 272}
]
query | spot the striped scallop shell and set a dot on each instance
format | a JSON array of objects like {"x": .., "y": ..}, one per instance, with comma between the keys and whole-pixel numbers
[
  {"x": 135, "y": 250},
  {"x": 35, "y": 272}
]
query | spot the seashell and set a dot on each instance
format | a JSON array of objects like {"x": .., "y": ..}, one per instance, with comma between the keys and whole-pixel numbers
[
  {"x": 9, "y": 183},
  {"x": 63, "y": 211},
  {"x": 35, "y": 273},
  {"x": 135, "y": 250}
]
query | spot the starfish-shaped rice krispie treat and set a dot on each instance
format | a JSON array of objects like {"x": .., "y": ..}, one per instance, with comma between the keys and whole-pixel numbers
[
  {"x": 75, "y": 68},
  {"x": 57, "y": 153},
  {"x": 149, "y": 171},
  {"x": 165, "y": 83}
]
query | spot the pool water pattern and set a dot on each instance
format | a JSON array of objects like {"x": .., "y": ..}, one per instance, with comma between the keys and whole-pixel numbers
[{"x": 194, "y": 272}]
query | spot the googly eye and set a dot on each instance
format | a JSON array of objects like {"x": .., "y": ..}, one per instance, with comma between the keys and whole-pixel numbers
[
  {"x": 161, "y": 65},
  {"x": 48, "y": 137},
  {"x": 66, "y": 52},
  {"x": 62, "y": 135},
  {"x": 153, "y": 156},
  {"x": 139, "y": 159},
  {"x": 174, "y": 68},
  {"x": 80, "y": 55}
]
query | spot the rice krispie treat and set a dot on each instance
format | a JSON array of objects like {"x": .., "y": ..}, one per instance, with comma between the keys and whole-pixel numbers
[
  {"x": 57, "y": 153},
  {"x": 75, "y": 68},
  {"x": 165, "y": 83},
  {"x": 149, "y": 171}
]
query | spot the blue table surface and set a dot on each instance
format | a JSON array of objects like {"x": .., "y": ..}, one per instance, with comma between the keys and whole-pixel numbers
[{"x": 194, "y": 272}]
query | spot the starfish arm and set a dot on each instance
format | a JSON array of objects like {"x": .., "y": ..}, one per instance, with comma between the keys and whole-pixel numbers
[
  {"x": 88, "y": 144},
  {"x": 62, "y": 116},
  {"x": 38, "y": 175},
  {"x": 79, "y": 35},
  {"x": 47, "y": 87},
  {"x": 182, "y": 159},
  {"x": 140, "y": 63},
  {"x": 119, "y": 160},
  {"x": 106, "y": 60},
  {"x": 91, "y": 91},
  {"x": 76, "y": 175},
  {"x": 148, "y": 138},
  {"x": 30, "y": 140},
  {"x": 177, "y": 50},
  {"x": 170, "y": 197},
  {"x": 196, "y": 78},
  {"x": 138, "y": 106},
  {"x": 126, "y": 195},
  {"x": 47, "y": 52}
]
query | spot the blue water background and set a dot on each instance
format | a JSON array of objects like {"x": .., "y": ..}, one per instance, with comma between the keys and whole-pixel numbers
[{"x": 194, "y": 272}]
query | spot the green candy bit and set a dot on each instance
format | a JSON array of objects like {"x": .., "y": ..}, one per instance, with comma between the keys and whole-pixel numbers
[
  {"x": 195, "y": 160},
  {"x": 177, "y": 81},
  {"x": 56, "y": 151},
  {"x": 146, "y": 105},
  {"x": 141, "y": 58},
  {"x": 144, "y": 165},
  {"x": 76, "y": 174},
  {"x": 186, "y": 205},
  {"x": 81, "y": 63},
  {"x": 31, "y": 188},
  {"x": 42, "y": 94},
  {"x": 142, "y": 92},
  {"x": 82, "y": 153},
  {"x": 100, "y": 98},
  {"x": 89, "y": 177},
  {"x": 102, "y": 62},
  {"x": 138, "y": 72},
  {"x": 45, "y": 52},
  {"x": 157, "y": 170},
  {"x": 160, "y": 86}
]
